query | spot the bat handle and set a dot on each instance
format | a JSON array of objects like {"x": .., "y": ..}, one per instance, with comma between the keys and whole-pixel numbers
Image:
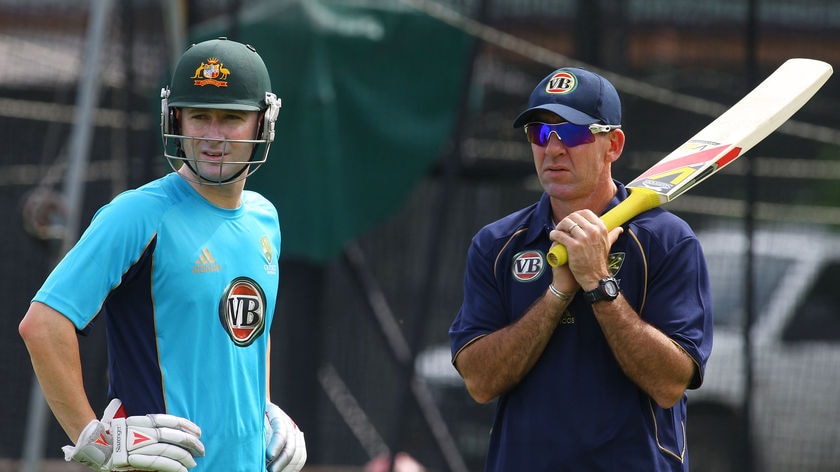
[{"x": 639, "y": 200}]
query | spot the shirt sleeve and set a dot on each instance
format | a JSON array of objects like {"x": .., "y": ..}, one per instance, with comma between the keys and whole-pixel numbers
[
  {"x": 114, "y": 240},
  {"x": 482, "y": 310},
  {"x": 679, "y": 299}
]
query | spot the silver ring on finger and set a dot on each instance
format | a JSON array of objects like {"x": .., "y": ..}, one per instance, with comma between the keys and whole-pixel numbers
[{"x": 571, "y": 228}]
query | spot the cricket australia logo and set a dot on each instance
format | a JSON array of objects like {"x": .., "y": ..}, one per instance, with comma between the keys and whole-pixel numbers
[
  {"x": 211, "y": 72},
  {"x": 269, "y": 266},
  {"x": 528, "y": 265},
  {"x": 615, "y": 261},
  {"x": 242, "y": 311},
  {"x": 561, "y": 82}
]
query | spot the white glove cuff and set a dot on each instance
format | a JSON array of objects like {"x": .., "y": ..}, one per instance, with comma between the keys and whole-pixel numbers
[{"x": 93, "y": 448}]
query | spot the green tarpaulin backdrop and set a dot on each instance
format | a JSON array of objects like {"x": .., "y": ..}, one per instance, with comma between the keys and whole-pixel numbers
[{"x": 370, "y": 97}]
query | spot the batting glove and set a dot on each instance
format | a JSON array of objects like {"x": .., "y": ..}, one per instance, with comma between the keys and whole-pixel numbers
[
  {"x": 159, "y": 442},
  {"x": 285, "y": 448}
]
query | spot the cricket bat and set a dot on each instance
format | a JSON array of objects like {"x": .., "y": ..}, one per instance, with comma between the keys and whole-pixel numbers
[{"x": 728, "y": 137}]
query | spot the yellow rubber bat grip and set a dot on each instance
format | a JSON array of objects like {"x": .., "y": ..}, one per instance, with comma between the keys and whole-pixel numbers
[{"x": 639, "y": 200}]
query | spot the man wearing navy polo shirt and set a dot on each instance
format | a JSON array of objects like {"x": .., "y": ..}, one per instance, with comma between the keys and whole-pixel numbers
[{"x": 590, "y": 360}]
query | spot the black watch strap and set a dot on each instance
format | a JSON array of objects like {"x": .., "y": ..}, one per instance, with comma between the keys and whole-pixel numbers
[{"x": 607, "y": 290}]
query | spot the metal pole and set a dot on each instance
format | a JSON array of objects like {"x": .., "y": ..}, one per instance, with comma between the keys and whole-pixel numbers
[
  {"x": 86, "y": 102},
  {"x": 749, "y": 285},
  {"x": 175, "y": 19}
]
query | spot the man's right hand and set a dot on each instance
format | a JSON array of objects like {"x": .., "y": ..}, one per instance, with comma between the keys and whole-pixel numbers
[{"x": 159, "y": 442}]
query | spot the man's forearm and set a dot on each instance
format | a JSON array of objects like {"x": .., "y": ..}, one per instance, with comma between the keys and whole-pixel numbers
[
  {"x": 495, "y": 363},
  {"x": 646, "y": 355},
  {"x": 54, "y": 352}
]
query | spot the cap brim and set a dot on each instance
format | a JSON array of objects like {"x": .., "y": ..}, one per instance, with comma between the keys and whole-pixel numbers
[
  {"x": 567, "y": 113},
  {"x": 217, "y": 106}
]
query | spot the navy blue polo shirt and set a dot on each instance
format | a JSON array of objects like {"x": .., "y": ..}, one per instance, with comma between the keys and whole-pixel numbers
[{"x": 576, "y": 410}]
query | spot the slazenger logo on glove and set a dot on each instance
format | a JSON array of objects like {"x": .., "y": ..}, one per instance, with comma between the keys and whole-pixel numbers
[
  {"x": 139, "y": 439},
  {"x": 102, "y": 441},
  {"x": 117, "y": 431}
]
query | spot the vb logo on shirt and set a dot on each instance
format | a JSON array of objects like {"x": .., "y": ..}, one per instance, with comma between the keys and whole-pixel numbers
[
  {"x": 242, "y": 311},
  {"x": 528, "y": 265}
]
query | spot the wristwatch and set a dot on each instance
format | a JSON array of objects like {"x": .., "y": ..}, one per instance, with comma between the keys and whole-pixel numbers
[{"x": 607, "y": 290}]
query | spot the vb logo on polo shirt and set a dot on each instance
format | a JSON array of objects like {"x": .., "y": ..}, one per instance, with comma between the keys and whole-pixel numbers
[
  {"x": 528, "y": 265},
  {"x": 242, "y": 311}
]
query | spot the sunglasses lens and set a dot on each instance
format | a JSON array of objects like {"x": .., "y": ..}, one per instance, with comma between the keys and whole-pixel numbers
[
  {"x": 575, "y": 135},
  {"x": 537, "y": 133},
  {"x": 571, "y": 134}
]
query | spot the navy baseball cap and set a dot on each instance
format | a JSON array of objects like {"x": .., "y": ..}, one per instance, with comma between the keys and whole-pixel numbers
[{"x": 576, "y": 95}]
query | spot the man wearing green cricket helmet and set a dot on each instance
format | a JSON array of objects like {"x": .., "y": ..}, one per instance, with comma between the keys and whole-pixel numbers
[
  {"x": 184, "y": 271},
  {"x": 218, "y": 75}
]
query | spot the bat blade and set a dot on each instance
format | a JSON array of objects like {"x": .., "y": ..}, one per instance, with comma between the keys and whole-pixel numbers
[{"x": 728, "y": 137}]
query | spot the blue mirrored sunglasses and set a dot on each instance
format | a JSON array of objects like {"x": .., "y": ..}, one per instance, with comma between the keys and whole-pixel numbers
[{"x": 571, "y": 134}]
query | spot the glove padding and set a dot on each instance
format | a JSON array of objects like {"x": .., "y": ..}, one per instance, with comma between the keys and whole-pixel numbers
[
  {"x": 165, "y": 443},
  {"x": 285, "y": 448}
]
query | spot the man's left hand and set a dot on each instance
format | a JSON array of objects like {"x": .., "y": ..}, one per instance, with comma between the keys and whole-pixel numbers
[{"x": 285, "y": 448}]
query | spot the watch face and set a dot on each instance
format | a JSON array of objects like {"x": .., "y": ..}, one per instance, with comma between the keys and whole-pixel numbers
[
  {"x": 607, "y": 290},
  {"x": 611, "y": 287}
]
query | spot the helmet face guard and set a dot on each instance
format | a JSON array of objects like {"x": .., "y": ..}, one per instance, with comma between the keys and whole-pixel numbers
[
  {"x": 225, "y": 75},
  {"x": 174, "y": 143}
]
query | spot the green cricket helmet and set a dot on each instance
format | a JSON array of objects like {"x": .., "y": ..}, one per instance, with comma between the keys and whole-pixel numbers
[{"x": 225, "y": 75}]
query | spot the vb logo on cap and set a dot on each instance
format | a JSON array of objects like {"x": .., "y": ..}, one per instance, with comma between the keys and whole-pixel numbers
[
  {"x": 575, "y": 95},
  {"x": 561, "y": 82}
]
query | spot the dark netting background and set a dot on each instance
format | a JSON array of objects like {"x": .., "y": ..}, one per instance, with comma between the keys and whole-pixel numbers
[{"x": 361, "y": 356}]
